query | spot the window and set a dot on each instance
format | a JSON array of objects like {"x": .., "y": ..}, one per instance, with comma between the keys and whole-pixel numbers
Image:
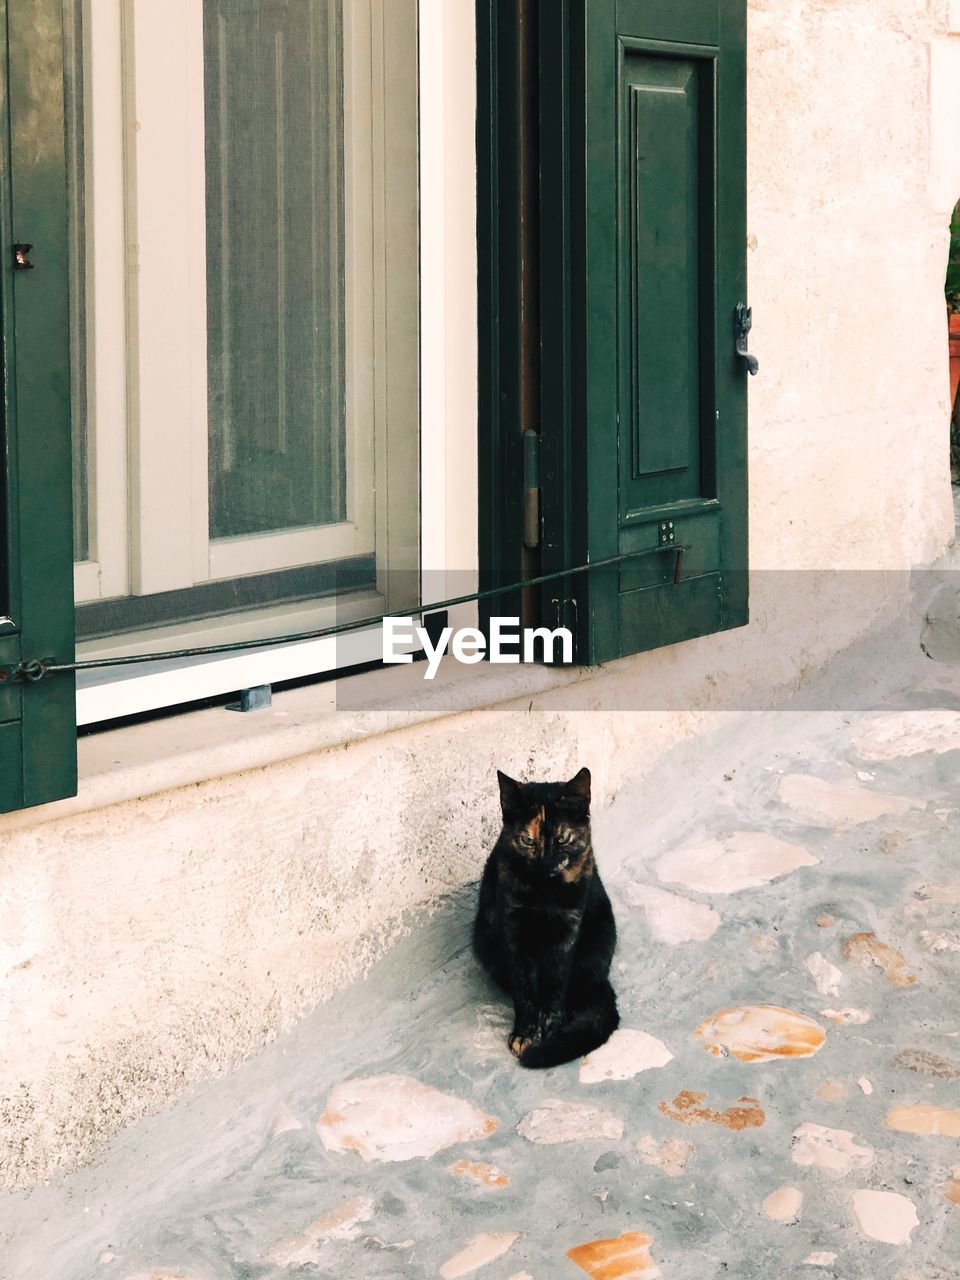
[
  {"x": 247, "y": 198},
  {"x": 273, "y": 357},
  {"x": 248, "y": 462}
]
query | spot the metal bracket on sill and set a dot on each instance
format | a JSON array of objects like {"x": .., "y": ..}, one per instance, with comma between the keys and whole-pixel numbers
[{"x": 256, "y": 699}]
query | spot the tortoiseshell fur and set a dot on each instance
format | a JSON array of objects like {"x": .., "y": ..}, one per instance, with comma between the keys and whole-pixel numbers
[{"x": 544, "y": 929}]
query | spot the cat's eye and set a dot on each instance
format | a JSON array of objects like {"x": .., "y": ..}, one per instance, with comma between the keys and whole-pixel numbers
[
  {"x": 565, "y": 837},
  {"x": 528, "y": 841}
]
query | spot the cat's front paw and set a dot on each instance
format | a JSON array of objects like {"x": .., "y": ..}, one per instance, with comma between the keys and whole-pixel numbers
[{"x": 521, "y": 1040}]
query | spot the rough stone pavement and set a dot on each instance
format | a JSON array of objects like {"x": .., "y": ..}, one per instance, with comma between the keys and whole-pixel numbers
[{"x": 783, "y": 1098}]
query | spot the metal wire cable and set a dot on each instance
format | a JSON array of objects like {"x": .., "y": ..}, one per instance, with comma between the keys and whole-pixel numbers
[{"x": 37, "y": 669}]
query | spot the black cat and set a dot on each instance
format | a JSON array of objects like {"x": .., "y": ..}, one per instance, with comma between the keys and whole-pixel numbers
[{"x": 544, "y": 928}]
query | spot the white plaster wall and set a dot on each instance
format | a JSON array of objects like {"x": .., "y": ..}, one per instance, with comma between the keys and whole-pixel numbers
[
  {"x": 156, "y": 942},
  {"x": 849, "y": 217}
]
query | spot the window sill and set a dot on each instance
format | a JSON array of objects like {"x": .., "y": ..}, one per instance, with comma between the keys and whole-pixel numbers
[{"x": 135, "y": 761}]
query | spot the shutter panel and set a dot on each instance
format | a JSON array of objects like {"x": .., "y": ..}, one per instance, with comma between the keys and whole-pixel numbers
[
  {"x": 501, "y": 418},
  {"x": 37, "y": 721},
  {"x": 645, "y": 399}
]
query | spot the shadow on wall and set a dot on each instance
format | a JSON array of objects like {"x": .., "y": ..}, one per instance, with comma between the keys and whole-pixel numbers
[{"x": 953, "y": 315}]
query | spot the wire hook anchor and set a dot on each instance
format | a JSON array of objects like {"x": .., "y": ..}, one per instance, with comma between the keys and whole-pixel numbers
[
  {"x": 36, "y": 669},
  {"x": 742, "y": 324},
  {"x": 32, "y": 671}
]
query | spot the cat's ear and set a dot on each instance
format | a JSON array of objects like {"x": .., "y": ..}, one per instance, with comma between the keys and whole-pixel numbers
[
  {"x": 510, "y": 793},
  {"x": 578, "y": 788}
]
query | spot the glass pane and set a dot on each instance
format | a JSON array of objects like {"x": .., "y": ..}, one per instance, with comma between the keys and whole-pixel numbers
[
  {"x": 273, "y": 81},
  {"x": 73, "y": 103},
  {"x": 308, "y": 200}
]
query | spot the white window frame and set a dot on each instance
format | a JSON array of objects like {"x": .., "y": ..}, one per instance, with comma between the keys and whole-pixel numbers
[
  {"x": 447, "y": 369},
  {"x": 105, "y": 574}
]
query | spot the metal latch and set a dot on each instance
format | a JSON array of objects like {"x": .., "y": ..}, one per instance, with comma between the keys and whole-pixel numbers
[
  {"x": 742, "y": 324},
  {"x": 531, "y": 489}
]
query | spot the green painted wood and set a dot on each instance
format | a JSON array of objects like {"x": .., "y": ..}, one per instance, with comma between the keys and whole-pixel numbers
[
  {"x": 663, "y": 615},
  {"x": 38, "y": 753},
  {"x": 660, "y": 247},
  {"x": 701, "y": 541},
  {"x": 11, "y": 774},
  {"x": 562, "y": 539},
  {"x": 690, "y": 21},
  {"x": 9, "y": 657},
  {"x": 650, "y": 422},
  {"x": 499, "y": 438}
]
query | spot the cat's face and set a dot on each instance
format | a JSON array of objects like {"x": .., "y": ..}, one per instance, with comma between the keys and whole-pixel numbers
[{"x": 547, "y": 824}]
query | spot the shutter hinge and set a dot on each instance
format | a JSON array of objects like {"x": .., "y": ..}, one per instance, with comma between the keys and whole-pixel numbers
[{"x": 531, "y": 489}]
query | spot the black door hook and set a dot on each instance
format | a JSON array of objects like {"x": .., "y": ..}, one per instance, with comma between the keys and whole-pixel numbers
[{"x": 742, "y": 324}]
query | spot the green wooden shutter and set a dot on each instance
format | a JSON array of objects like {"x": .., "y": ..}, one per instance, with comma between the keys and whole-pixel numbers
[
  {"x": 643, "y": 160},
  {"x": 501, "y": 420},
  {"x": 37, "y": 721}
]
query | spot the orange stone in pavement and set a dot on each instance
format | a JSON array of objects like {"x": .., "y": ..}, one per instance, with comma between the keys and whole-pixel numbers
[
  {"x": 625, "y": 1258},
  {"x": 761, "y": 1033},
  {"x": 484, "y": 1175}
]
